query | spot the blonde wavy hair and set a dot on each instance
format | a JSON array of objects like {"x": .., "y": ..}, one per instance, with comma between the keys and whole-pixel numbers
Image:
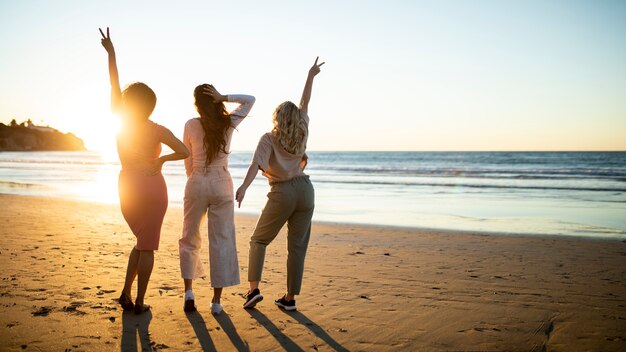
[{"x": 290, "y": 128}]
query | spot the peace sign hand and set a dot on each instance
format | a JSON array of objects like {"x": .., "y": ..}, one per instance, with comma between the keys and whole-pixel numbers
[
  {"x": 315, "y": 69},
  {"x": 106, "y": 41}
]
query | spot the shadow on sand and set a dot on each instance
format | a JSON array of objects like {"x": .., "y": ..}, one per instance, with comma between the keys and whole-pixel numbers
[
  {"x": 132, "y": 325},
  {"x": 316, "y": 329},
  {"x": 284, "y": 341},
  {"x": 230, "y": 330},
  {"x": 199, "y": 327},
  {"x": 202, "y": 332}
]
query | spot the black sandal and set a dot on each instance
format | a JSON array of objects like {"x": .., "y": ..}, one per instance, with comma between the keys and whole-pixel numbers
[
  {"x": 141, "y": 308},
  {"x": 126, "y": 302}
]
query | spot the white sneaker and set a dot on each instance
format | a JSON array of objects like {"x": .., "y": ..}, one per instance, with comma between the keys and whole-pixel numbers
[
  {"x": 189, "y": 295},
  {"x": 216, "y": 308}
]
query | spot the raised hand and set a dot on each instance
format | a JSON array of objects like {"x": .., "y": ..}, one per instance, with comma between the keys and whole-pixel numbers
[
  {"x": 315, "y": 69},
  {"x": 308, "y": 86},
  {"x": 106, "y": 41},
  {"x": 116, "y": 92},
  {"x": 214, "y": 94}
]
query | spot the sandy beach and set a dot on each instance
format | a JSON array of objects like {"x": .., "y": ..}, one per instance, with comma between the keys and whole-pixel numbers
[{"x": 366, "y": 288}]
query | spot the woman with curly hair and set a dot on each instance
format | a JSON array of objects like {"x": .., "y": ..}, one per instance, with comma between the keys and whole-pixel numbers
[{"x": 281, "y": 156}]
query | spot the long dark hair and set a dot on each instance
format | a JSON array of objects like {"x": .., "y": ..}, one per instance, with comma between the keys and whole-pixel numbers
[{"x": 215, "y": 123}]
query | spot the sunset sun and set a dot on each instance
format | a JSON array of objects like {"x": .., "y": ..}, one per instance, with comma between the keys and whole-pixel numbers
[{"x": 100, "y": 137}]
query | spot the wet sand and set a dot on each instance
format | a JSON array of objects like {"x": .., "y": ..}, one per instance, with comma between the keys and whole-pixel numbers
[{"x": 365, "y": 288}]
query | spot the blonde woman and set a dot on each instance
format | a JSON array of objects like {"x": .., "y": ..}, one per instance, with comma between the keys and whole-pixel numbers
[
  {"x": 281, "y": 156},
  {"x": 209, "y": 191}
]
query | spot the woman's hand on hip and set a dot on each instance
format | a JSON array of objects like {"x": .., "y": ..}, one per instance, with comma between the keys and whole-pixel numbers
[{"x": 154, "y": 168}]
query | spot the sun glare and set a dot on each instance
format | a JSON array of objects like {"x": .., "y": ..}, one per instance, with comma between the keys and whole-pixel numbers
[{"x": 101, "y": 138}]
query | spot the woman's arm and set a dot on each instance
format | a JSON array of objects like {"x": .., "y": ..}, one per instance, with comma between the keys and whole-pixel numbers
[
  {"x": 187, "y": 143},
  {"x": 253, "y": 170},
  {"x": 245, "y": 104},
  {"x": 260, "y": 161},
  {"x": 245, "y": 101},
  {"x": 308, "y": 86},
  {"x": 116, "y": 92},
  {"x": 180, "y": 152}
]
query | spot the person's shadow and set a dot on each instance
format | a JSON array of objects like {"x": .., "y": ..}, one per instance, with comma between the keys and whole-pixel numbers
[
  {"x": 199, "y": 327},
  {"x": 284, "y": 341},
  {"x": 132, "y": 325},
  {"x": 315, "y": 329},
  {"x": 230, "y": 330}
]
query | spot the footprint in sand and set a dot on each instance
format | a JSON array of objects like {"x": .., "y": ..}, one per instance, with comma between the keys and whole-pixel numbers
[
  {"x": 102, "y": 292},
  {"x": 42, "y": 312}
]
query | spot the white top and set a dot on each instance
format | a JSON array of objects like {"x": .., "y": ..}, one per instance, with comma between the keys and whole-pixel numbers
[{"x": 193, "y": 137}]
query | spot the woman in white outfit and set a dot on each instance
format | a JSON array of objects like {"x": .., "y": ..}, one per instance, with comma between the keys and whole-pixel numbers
[{"x": 209, "y": 190}]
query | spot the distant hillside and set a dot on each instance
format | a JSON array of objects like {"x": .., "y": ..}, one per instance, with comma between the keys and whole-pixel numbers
[{"x": 26, "y": 136}]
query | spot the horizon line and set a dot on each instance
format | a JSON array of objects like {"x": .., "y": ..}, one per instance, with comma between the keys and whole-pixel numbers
[{"x": 446, "y": 151}]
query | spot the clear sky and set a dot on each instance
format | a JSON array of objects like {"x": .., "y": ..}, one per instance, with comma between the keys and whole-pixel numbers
[{"x": 399, "y": 75}]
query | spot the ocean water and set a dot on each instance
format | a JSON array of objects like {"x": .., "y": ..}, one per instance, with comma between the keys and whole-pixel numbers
[{"x": 550, "y": 193}]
